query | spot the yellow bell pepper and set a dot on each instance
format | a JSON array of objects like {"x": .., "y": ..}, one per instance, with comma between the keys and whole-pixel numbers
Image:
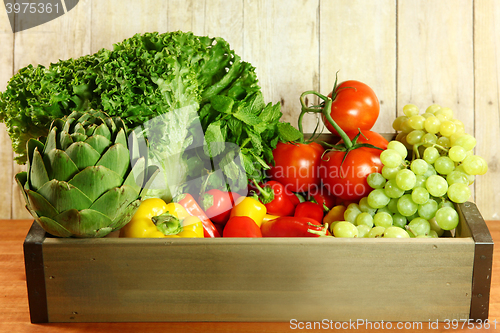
[
  {"x": 251, "y": 207},
  {"x": 156, "y": 219}
]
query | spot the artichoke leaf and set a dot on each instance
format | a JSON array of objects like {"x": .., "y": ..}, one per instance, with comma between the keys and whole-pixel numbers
[
  {"x": 152, "y": 173},
  {"x": 121, "y": 137},
  {"x": 22, "y": 180},
  {"x": 79, "y": 128},
  {"x": 51, "y": 141},
  {"x": 37, "y": 172},
  {"x": 59, "y": 165},
  {"x": 84, "y": 223},
  {"x": 125, "y": 215},
  {"x": 99, "y": 143},
  {"x": 65, "y": 140},
  {"x": 95, "y": 180},
  {"x": 116, "y": 158},
  {"x": 52, "y": 227},
  {"x": 79, "y": 137},
  {"x": 31, "y": 145},
  {"x": 39, "y": 204},
  {"x": 103, "y": 130},
  {"x": 83, "y": 154},
  {"x": 63, "y": 196},
  {"x": 114, "y": 202}
]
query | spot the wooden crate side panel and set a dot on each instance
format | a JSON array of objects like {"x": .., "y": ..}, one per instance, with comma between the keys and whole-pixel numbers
[{"x": 258, "y": 280}]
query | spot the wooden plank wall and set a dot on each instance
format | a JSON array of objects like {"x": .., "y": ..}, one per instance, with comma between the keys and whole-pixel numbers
[{"x": 411, "y": 51}]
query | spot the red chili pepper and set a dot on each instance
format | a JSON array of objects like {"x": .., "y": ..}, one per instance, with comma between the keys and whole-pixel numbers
[
  {"x": 217, "y": 204},
  {"x": 327, "y": 201},
  {"x": 241, "y": 226},
  {"x": 290, "y": 226},
  {"x": 311, "y": 210},
  {"x": 276, "y": 199},
  {"x": 187, "y": 201}
]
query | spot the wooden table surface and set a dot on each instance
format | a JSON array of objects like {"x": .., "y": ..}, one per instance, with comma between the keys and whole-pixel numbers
[{"x": 14, "y": 311}]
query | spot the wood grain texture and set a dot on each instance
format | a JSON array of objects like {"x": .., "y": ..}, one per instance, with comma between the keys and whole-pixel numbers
[
  {"x": 281, "y": 41},
  {"x": 358, "y": 39},
  {"x": 487, "y": 102},
  {"x": 14, "y": 314},
  {"x": 6, "y": 155},
  {"x": 257, "y": 279}
]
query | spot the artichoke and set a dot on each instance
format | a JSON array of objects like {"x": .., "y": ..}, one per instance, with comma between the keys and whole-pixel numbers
[{"x": 87, "y": 177}]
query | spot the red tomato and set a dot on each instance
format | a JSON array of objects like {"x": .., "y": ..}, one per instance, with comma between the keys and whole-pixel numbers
[
  {"x": 347, "y": 180},
  {"x": 370, "y": 137},
  {"x": 217, "y": 204},
  {"x": 355, "y": 105},
  {"x": 296, "y": 166}
]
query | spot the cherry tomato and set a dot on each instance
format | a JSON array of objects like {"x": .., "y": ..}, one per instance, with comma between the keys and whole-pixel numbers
[
  {"x": 354, "y": 106},
  {"x": 296, "y": 165}
]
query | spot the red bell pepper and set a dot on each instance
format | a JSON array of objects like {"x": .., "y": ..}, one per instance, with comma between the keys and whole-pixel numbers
[
  {"x": 187, "y": 201},
  {"x": 241, "y": 226},
  {"x": 311, "y": 210},
  {"x": 276, "y": 198},
  {"x": 217, "y": 204},
  {"x": 290, "y": 226},
  {"x": 327, "y": 201}
]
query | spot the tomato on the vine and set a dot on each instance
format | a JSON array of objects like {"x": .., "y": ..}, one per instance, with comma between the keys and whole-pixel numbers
[
  {"x": 346, "y": 179},
  {"x": 296, "y": 165},
  {"x": 354, "y": 105}
]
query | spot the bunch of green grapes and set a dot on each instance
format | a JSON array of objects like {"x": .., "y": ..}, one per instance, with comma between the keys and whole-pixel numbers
[{"x": 415, "y": 196}]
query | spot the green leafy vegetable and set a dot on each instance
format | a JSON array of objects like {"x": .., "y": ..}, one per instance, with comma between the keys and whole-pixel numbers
[{"x": 170, "y": 87}]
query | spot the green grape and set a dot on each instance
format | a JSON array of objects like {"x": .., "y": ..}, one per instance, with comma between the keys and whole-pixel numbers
[
  {"x": 395, "y": 232},
  {"x": 419, "y": 166},
  {"x": 432, "y": 108},
  {"x": 410, "y": 233},
  {"x": 433, "y": 234},
  {"x": 419, "y": 226},
  {"x": 390, "y": 173},
  {"x": 435, "y": 227},
  {"x": 443, "y": 141},
  {"x": 430, "y": 171},
  {"x": 432, "y": 125},
  {"x": 447, "y": 218},
  {"x": 384, "y": 209},
  {"x": 405, "y": 127},
  {"x": 410, "y": 110},
  {"x": 399, "y": 147},
  {"x": 392, "y": 190},
  {"x": 396, "y": 124},
  {"x": 470, "y": 178},
  {"x": 459, "y": 124},
  {"x": 351, "y": 213},
  {"x": 365, "y": 207},
  {"x": 428, "y": 209},
  {"x": 457, "y": 177},
  {"x": 436, "y": 185},
  {"x": 376, "y": 180},
  {"x": 420, "y": 195},
  {"x": 420, "y": 181},
  {"x": 364, "y": 219},
  {"x": 429, "y": 139},
  {"x": 447, "y": 128},
  {"x": 392, "y": 206},
  {"x": 446, "y": 203},
  {"x": 382, "y": 219},
  {"x": 459, "y": 192},
  {"x": 405, "y": 179},
  {"x": 378, "y": 198},
  {"x": 467, "y": 141},
  {"x": 455, "y": 136},
  {"x": 457, "y": 153},
  {"x": 399, "y": 220},
  {"x": 375, "y": 232},
  {"x": 475, "y": 165},
  {"x": 443, "y": 115},
  {"x": 431, "y": 154},
  {"x": 345, "y": 229},
  {"x": 444, "y": 165},
  {"x": 406, "y": 206},
  {"x": 391, "y": 158},
  {"x": 416, "y": 122},
  {"x": 414, "y": 137},
  {"x": 363, "y": 230}
]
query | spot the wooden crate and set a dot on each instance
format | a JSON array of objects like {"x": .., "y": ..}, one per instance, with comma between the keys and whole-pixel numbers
[{"x": 266, "y": 279}]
